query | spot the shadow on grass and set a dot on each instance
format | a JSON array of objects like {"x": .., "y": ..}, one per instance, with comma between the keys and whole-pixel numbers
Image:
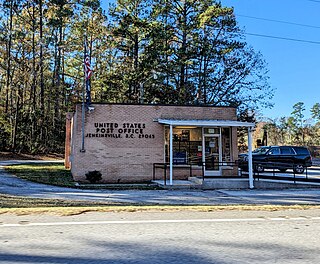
[{"x": 49, "y": 173}]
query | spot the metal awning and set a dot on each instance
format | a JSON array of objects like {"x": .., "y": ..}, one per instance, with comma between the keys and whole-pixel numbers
[
  {"x": 205, "y": 123},
  {"x": 209, "y": 123}
]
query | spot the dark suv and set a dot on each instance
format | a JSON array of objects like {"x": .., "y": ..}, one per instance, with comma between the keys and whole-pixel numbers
[{"x": 278, "y": 157}]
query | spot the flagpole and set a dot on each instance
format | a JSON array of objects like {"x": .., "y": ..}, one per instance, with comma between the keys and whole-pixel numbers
[
  {"x": 82, "y": 149},
  {"x": 86, "y": 90}
]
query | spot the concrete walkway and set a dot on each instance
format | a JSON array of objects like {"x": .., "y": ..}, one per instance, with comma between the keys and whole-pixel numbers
[{"x": 12, "y": 185}]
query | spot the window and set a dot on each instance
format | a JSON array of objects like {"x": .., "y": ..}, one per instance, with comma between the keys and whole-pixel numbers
[
  {"x": 187, "y": 145},
  {"x": 301, "y": 151},
  {"x": 226, "y": 144},
  {"x": 274, "y": 151},
  {"x": 212, "y": 130},
  {"x": 262, "y": 150},
  {"x": 286, "y": 151}
]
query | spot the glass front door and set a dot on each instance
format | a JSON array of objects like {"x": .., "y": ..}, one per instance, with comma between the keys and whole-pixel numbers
[{"x": 212, "y": 155}]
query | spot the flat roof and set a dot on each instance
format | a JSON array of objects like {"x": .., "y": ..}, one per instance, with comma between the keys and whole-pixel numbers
[
  {"x": 162, "y": 105},
  {"x": 205, "y": 123}
]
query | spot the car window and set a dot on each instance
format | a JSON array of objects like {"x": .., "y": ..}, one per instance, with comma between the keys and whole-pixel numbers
[
  {"x": 286, "y": 151},
  {"x": 262, "y": 150},
  {"x": 302, "y": 151},
  {"x": 274, "y": 151}
]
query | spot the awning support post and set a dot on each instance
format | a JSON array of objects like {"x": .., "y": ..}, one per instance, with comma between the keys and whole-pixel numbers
[
  {"x": 250, "y": 167},
  {"x": 171, "y": 153}
]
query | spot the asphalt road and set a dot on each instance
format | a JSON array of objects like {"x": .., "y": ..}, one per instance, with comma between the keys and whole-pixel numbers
[
  {"x": 225, "y": 237},
  {"x": 161, "y": 237}
]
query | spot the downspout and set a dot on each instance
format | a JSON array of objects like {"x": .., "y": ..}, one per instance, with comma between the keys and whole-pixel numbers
[{"x": 82, "y": 149}]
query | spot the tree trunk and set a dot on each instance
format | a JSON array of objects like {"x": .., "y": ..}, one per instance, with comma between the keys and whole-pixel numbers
[{"x": 8, "y": 72}]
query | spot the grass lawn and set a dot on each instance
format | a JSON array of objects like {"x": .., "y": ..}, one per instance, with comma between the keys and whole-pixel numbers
[
  {"x": 56, "y": 174},
  {"x": 20, "y": 205},
  {"x": 10, "y": 201},
  {"x": 49, "y": 173}
]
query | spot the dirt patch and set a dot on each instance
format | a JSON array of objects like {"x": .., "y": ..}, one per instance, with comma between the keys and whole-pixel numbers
[
  {"x": 22, "y": 156},
  {"x": 65, "y": 209}
]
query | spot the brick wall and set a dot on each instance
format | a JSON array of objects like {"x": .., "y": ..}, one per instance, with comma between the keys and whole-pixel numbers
[{"x": 123, "y": 156}]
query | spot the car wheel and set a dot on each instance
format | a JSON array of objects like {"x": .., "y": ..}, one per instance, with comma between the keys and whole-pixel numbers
[
  {"x": 282, "y": 170},
  {"x": 259, "y": 168},
  {"x": 299, "y": 169}
]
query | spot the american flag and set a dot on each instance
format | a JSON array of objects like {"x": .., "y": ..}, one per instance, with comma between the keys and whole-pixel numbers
[
  {"x": 87, "y": 66},
  {"x": 88, "y": 73}
]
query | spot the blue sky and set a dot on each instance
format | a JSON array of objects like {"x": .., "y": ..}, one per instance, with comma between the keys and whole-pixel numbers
[{"x": 294, "y": 67}]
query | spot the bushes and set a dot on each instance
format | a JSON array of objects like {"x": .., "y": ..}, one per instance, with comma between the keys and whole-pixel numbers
[{"x": 94, "y": 176}]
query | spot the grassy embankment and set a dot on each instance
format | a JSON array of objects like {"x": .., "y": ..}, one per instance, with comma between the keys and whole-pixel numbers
[
  {"x": 48, "y": 173},
  {"x": 52, "y": 174}
]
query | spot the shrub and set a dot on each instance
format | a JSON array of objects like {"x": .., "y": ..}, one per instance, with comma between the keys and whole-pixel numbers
[{"x": 94, "y": 176}]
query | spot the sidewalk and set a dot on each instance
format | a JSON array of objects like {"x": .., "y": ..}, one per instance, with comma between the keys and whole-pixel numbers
[{"x": 12, "y": 185}]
